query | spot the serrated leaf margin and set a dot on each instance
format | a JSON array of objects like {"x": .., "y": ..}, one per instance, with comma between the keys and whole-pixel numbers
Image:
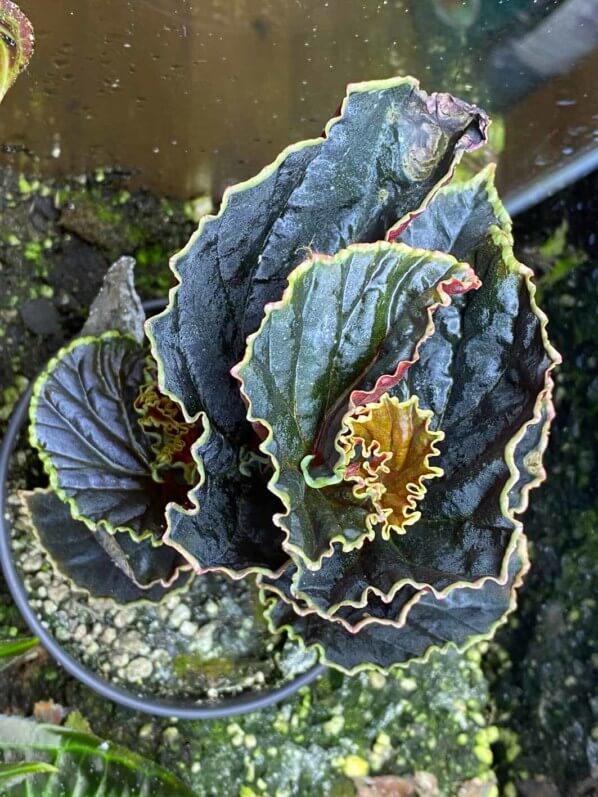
[
  {"x": 352, "y": 88},
  {"x": 46, "y": 460},
  {"x": 544, "y": 411},
  {"x": 168, "y": 585},
  {"x": 269, "y": 604},
  {"x": 172, "y": 506}
]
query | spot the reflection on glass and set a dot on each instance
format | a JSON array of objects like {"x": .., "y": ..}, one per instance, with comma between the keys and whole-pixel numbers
[{"x": 192, "y": 95}]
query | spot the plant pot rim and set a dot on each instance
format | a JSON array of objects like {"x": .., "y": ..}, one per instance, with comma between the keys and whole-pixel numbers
[{"x": 162, "y": 707}]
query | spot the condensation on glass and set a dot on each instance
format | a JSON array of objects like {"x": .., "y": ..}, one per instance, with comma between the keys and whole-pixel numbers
[{"x": 192, "y": 95}]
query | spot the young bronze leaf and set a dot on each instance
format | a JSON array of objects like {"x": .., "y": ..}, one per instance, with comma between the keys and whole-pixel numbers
[
  {"x": 85, "y": 427},
  {"x": 464, "y": 617},
  {"x": 16, "y": 44},
  {"x": 347, "y": 326},
  {"x": 389, "y": 445},
  {"x": 105, "y": 565},
  {"x": 389, "y": 148},
  {"x": 172, "y": 437}
]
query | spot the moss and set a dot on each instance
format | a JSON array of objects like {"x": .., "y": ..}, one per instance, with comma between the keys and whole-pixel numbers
[
  {"x": 541, "y": 667},
  {"x": 108, "y": 215},
  {"x": 56, "y": 241},
  {"x": 193, "y": 665},
  {"x": 10, "y": 396},
  {"x": 26, "y": 187},
  {"x": 315, "y": 743},
  {"x": 33, "y": 251},
  {"x": 353, "y": 766}
]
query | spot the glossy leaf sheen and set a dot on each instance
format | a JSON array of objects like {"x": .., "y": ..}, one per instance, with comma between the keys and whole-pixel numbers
[
  {"x": 389, "y": 446},
  {"x": 84, "y": 424},
  {"x": 86, "y": 765},
  {"x": 391, "y": 145},
  {"x": 232, "y": 529},
  {"x": 342, "y": 324},
  {"x": 105, "y": 565},
  {"x": 359, "y": 550},
  {"x": 461, "y": 618},
  {"x": 481, "y": 374},
  {"x": 501, "y": 357}
]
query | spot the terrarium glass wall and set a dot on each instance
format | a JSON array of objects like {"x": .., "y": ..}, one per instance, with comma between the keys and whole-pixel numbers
[{"x": 191, "y": 95}]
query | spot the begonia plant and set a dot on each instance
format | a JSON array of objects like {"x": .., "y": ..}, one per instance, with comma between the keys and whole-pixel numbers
[{"x": 347, "y": 398}]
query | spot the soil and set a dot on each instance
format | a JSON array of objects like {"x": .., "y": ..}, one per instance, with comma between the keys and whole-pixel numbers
[{"x": 205, "y": 640}]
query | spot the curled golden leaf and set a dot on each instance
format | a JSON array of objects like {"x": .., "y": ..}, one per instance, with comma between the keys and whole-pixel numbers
[
  {"x": 388, "y": 445},
  {"x": 163, "y": 421}
]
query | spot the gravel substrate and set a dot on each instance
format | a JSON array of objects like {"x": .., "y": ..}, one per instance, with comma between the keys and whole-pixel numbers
[{"x": 205, "y": 640}]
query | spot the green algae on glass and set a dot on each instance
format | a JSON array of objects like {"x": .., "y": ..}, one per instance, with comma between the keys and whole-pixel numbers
[
  {"x": 430, "y": 718},
  {"x": 70, "y": 256},
  {"x": 16, "y": 44}
]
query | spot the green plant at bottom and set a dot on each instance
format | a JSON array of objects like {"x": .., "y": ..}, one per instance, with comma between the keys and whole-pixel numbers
[{"x": 47, "y": 761}]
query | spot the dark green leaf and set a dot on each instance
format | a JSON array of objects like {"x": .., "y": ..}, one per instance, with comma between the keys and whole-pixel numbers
[
  {"x": 85, "y": 427},
  {"x": 231, "y": 527},
  {"x": 86, "y": 765},
  {"x": 389, "y": 148},
  {"x": 106, "y": 565},
  {"x": 528, "y": 453},
  {"x": 433, "y": 554},
  {"x": 485, "y": 374},
  {"x": 344, "y": 332},
  {"x": 499, "y": 364},
  {"x": 457, "y": 219},
  {"x": 464, "y": 617}
]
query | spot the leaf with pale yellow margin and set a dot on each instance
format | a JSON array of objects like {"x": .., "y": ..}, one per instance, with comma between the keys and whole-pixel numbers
[{"x": 388, "y": 446}]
